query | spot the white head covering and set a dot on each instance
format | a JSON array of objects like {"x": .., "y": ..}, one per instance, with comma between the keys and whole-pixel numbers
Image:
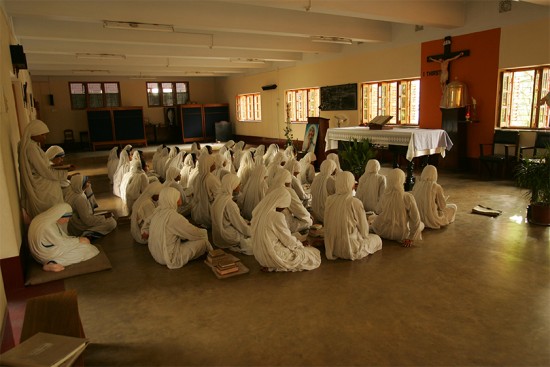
[
  {"x": 171, "y": 174},
  {"x": 55, "y": 151},
  {"x": 371, "y": 185},
  {"x": 279, "y": 198},
  {"x": 138, "y": 214},
  {"x": 45, "y": 222},
  {"x": 254, "y": 190},
  {"x": 426, "y": 192},
  {"x": 280, "y": 179},
  {"x": 229, "y": 183},
  {"x": 334, "y": 157},
  {"x": 305, "y": 165},
  {"x": 319, "y": 191},
  {"x": 392, "y": 201}
]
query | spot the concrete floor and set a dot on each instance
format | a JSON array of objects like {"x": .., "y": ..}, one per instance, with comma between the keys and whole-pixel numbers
[{"x": 475, "y": 293}]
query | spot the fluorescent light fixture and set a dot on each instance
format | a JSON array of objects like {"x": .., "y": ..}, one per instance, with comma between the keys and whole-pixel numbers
[
  {"x": 243, "y": 60},
  {"x": 138, "y": 26},
  {"x": 100, "y": 56},
  {"x": 329, "y": 39},
  {"x": 90, "y": 72}
]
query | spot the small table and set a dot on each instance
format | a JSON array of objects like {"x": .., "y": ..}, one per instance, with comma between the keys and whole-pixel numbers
[{"x": 419, "y": 142}]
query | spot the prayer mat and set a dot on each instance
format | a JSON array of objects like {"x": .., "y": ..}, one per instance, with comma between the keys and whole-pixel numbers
[{"x": 35, "y": 274}]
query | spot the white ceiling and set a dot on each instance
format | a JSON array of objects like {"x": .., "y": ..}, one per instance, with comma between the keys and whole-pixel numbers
[{"x": 210, "y": 38}]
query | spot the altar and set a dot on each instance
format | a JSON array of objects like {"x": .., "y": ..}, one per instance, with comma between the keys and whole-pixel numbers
[{"x": 415, "y": 142}]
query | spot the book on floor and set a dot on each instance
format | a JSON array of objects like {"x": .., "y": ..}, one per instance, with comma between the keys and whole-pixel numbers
[
  {"x": 44, "y": 349},
  {"x": 483, "y": 210}
]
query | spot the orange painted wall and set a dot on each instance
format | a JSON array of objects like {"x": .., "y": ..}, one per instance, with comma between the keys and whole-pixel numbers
[{"x": 479, "y": 72}]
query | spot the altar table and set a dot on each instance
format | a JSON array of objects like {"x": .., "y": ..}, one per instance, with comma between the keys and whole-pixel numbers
[{"x": 419, "y": 142}]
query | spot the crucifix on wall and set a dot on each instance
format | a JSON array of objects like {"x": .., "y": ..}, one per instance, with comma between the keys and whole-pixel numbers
[{"x": 445, "y": 58}]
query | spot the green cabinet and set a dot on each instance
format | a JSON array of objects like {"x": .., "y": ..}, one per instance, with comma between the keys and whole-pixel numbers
[{"x": 198, "y": 120}]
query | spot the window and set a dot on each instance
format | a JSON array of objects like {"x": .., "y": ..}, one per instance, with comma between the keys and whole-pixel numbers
[
  {"x": 398, "y": 98},
  {"x": 94, "y": 95},
  {"x": 167, "y": 94},
  {"x": 302, "y": 103},
  {"x": 249, "y": 107},
  {"x": 521, "y": 92}
]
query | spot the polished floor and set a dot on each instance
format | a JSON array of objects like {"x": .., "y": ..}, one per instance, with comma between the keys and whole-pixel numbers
[{"x": 476, "y": 293}]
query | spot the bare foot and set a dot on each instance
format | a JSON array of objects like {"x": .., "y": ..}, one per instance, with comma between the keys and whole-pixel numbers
[
  {"x": 407, "y": 243},
  {"x": 51, "y": 266},
  {"x": 264, "y": 269}
]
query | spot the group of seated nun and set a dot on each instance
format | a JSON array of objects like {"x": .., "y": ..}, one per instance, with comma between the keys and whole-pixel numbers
[
  {"x": 59, "y": 205},
  {"x": 264, "y": 204}
]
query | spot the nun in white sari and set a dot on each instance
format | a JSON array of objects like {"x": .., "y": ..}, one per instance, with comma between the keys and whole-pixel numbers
[
  {"x": 323, "y": 185},
  {"x": 143, "y": 207},
  {"x": 205, "y": 188},
  {"x": 245, "y": 167},
  {"x": 371, "y": 185},
  {"x": 122, "y": 169},
  {"x": 294, "y": 168},
  {"x": 276, "y": 164},
  {"x": 346, "y": 228},
  {"x": 229, "y": 229},
  {"x": 275, "y": 248},
  {"x": 40, "y": 182},
  {"x": 173, "y": 179},
  {"x": 133, "y": 184},
  {"x": 297, "y": 216},
  {"x": 399, "y": 219},
  {"x": 307, "y": 172},
  {"x": 430, "y": 199},
  {"x": 51, "y": 246},
  {"x": 83, "y": 220},
  {"x": 173, "y": 241},
  {"x": 112, "y": 163},
  {"x": 186, "y": 169},
  {"x": 254, "y": 191}
]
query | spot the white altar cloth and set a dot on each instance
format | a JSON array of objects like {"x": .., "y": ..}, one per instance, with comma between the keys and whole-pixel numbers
[{"x": 420, "y": 142}]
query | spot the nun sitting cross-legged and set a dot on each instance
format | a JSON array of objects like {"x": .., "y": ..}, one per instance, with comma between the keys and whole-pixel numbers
[
  {"x": 229, "y": 229},
  {"x": 346, "y": 227},
  {"x": 172, "y": 240},
  {"x": 84, "y": 221},
  {"x": 275, "y": 248},
  {"x": 51, "y": 246}
]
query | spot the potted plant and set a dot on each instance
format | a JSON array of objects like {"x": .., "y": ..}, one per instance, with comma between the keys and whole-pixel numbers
[
  {"x": 355, "y": 154},
  {"x": 533, "y": 174}
]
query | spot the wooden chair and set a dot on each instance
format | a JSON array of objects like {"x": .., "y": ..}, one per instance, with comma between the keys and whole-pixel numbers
[
  {"x": 495, "y": 162},
  {"x": 542, "y": 141},
  {"x": 55, "y": 313}
]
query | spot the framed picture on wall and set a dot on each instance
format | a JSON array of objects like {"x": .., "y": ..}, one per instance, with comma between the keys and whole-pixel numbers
[
  {"x": 310, "y": 138},
  {"x": 170, "y": 116}
]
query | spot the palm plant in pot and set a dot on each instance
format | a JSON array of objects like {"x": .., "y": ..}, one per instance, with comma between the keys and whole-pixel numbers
[{"x": 534, "y": 175}]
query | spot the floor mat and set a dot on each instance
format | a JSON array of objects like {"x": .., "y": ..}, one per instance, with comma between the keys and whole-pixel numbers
[{"x": 35, "y": 274}]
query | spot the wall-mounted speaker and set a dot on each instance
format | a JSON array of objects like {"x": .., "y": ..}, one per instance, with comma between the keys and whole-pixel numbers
[
  {"x": 50, "y": 99},
  {"x": 18, "y": 58},
  {"x": 269, "y": 87}
]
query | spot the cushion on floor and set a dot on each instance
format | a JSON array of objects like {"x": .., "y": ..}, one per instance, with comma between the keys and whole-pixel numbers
[{"x": 35, "y": 274}]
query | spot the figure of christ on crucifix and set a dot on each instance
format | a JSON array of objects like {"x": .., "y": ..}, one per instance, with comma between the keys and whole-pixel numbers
[{"x": 445, "y": 59}]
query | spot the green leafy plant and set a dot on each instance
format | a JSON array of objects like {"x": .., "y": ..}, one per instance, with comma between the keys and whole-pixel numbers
[
  {"x": 288, "y": 128},
  {"x": 355, "y": 155},
  {"x": 534, "y": 175}
]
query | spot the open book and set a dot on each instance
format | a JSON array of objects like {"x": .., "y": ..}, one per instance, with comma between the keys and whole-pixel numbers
[
  {"x": 380, "y": 120},
  {"x": 483, "y": 210},
  {"x": 44, "y": 349}
]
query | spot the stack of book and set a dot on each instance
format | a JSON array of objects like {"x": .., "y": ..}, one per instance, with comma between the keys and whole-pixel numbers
[
  {"x": 226, "y": 266},
  {"x": 223, "y": 264}
]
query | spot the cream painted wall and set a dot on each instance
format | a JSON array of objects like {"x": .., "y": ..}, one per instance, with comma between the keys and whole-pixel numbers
[
  {"x": 10, "y": 117},
  {"x": 60, "y": 116},
  {"x": 525, "y": 44}
]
